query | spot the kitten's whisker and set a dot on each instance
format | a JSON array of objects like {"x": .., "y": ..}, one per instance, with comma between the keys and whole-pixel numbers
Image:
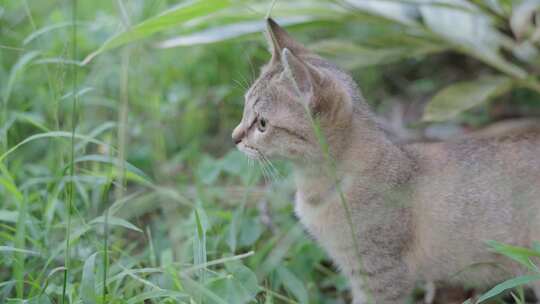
[
  {"x": 263, "y": 171},
  {"x": 270, "y": 168},
  {"x": 245, "y": 80},
  {"x": 273, "y": 167},
  {"x": 252, "y": 68},
  {"x": 239, "y": 84},
  {"x": 264, "y": 167}
]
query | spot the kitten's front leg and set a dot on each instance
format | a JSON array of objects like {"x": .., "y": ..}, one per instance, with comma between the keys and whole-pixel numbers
[
  {"x": 358, "y": 291},
  {"x": 389, "y": 286}
]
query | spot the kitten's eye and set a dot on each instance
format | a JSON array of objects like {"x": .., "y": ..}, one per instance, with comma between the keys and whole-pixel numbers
[{"x": 261, "y": 124}]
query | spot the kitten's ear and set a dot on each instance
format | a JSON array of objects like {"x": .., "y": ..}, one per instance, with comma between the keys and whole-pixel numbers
[
  {"x": 279, "y": 39},
  {"x": 304, "y": 76}
]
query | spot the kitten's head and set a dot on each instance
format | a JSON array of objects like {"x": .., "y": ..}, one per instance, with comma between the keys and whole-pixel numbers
[{"x": 295, "y": 83}]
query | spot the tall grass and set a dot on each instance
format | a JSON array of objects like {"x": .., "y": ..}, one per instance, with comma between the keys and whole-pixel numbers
[{"x": 70, "y": 194}]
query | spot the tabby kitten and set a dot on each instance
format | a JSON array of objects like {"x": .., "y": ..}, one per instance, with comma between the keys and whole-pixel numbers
[{"x": 409, "y": 213}]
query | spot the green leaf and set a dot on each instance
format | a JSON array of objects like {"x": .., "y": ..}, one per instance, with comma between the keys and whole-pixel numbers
[
  {"x": 352, "y": 56},
  {"x": 199, "y": 244},
  {"x": 53, "y": 134},
  {"x": 164, "y": 21},
  {"x": 293, "y": 284},
  {"x": 470, "y": 31},
  {"x": 113, "y": 161},
  {"x": 41, "y": 299},
  {"x": 18, "y": 250},
  {"x": 462, "y": 96},
  {"x": 155, "y": 294},
  {"x": 8, "y": 216},
  {"x": 225, "y": 32},
  {"x": 513, "y": 283},
  {"x": 519, "y": 254},
  {"x": 250, "y": 231},
  {"x": 20, "y": 242},
  {"x": 208, "y": 170},
  {"x": 15, "y": 71},
  {"x": 46, "y": 29},
  {"x": 10, "y": 187},
  {"x": 88, "y": 283},
  {"x": 521, "y": 21},
  {"x": 240, "y": 286},
  {"x": 404, "y": 13},
  {"x": 115, "y": 221}
]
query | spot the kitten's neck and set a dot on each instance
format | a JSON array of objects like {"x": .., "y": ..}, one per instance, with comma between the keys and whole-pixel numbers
[{"x": 362, "y": 152}]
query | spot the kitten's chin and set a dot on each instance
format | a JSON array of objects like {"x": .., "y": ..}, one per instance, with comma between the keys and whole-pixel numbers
[{"x": 248, "y": 151}]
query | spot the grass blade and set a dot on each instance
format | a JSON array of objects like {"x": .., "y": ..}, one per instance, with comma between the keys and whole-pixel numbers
[
  {"x": 513, "y": 283},
  {"x": 164, "y": 21},
  {"x": 88, "y": 283}
]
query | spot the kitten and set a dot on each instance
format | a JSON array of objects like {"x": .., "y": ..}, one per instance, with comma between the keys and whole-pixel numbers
[{"x": 409, "y": 213}]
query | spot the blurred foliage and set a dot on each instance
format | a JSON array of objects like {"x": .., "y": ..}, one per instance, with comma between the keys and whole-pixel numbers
[{"x": 164, "y": 209}]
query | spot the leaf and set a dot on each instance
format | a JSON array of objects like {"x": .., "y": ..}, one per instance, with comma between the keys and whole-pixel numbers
[
  {"x": 208, "y": 170},
  {"x": 470, "y": 31},
  {"x": 199, "y": 245},
  {"x": 20, "y": 242},
  {"x": 164, "y": 21},
  {"x": 18, "y": 250},
  {"x": 513, "y": 283},
  {"x": 11, "y": 188},
  {"x": 15, "y": 71},
  {"x": 293, "y": 284},
  {"x": 238, "y": 287},
  {"x": 226, "y": 32},
  {"x": 37, "y": 33},
  {"x": 519, "y": 254},
  {"x": 9, "y": 216},
  {"x": 54, "y": 134},
  {"x": 155, "y": 294},
  {"x": 234, "y": 163},
  {"x": 404, "y": 13},
  {"x": 115, "y": 221},
  {"x": 113, "y": 161},
  {"x": 41, "y": 299},
  {"x": 250, "y": 231},
  {"x": 352, "y": 56},
  {"x": 461, "y": 96},
  {"x": 88, "y": 283},
  {"x": 521, "y": 20}
]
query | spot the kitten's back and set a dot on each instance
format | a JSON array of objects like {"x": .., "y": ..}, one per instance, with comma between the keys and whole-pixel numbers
[{"x": 469, "y": 191}]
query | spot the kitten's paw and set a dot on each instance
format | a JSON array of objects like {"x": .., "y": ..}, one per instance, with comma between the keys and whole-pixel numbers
[{"x": 429, "y": 296}]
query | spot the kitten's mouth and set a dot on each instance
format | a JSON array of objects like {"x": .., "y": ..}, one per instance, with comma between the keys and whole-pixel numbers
[{"x": 250, "y": 152}]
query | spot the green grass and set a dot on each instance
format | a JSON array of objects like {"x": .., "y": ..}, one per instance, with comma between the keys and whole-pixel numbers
[
  {"x": 118, "y": 179},
  {"x": 117, "y": 182}
]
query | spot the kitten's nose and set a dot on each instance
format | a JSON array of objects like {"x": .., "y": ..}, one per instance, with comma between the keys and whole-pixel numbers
[{"x": 237, "y": 134}]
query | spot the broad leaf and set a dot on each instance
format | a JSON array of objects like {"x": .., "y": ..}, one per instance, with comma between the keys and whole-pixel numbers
[
  {"x": 405, "y": 13},
  {"x": 293, "y": 284},
  {"x": 521, "y": 21},
  {"x": 352, "y": 56},
  {"x": 462, "y": 96},
  {"x": 225, "y": 32},
  {"x": 240, "y": 286},
  {"x": 471, "y": 31}
]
